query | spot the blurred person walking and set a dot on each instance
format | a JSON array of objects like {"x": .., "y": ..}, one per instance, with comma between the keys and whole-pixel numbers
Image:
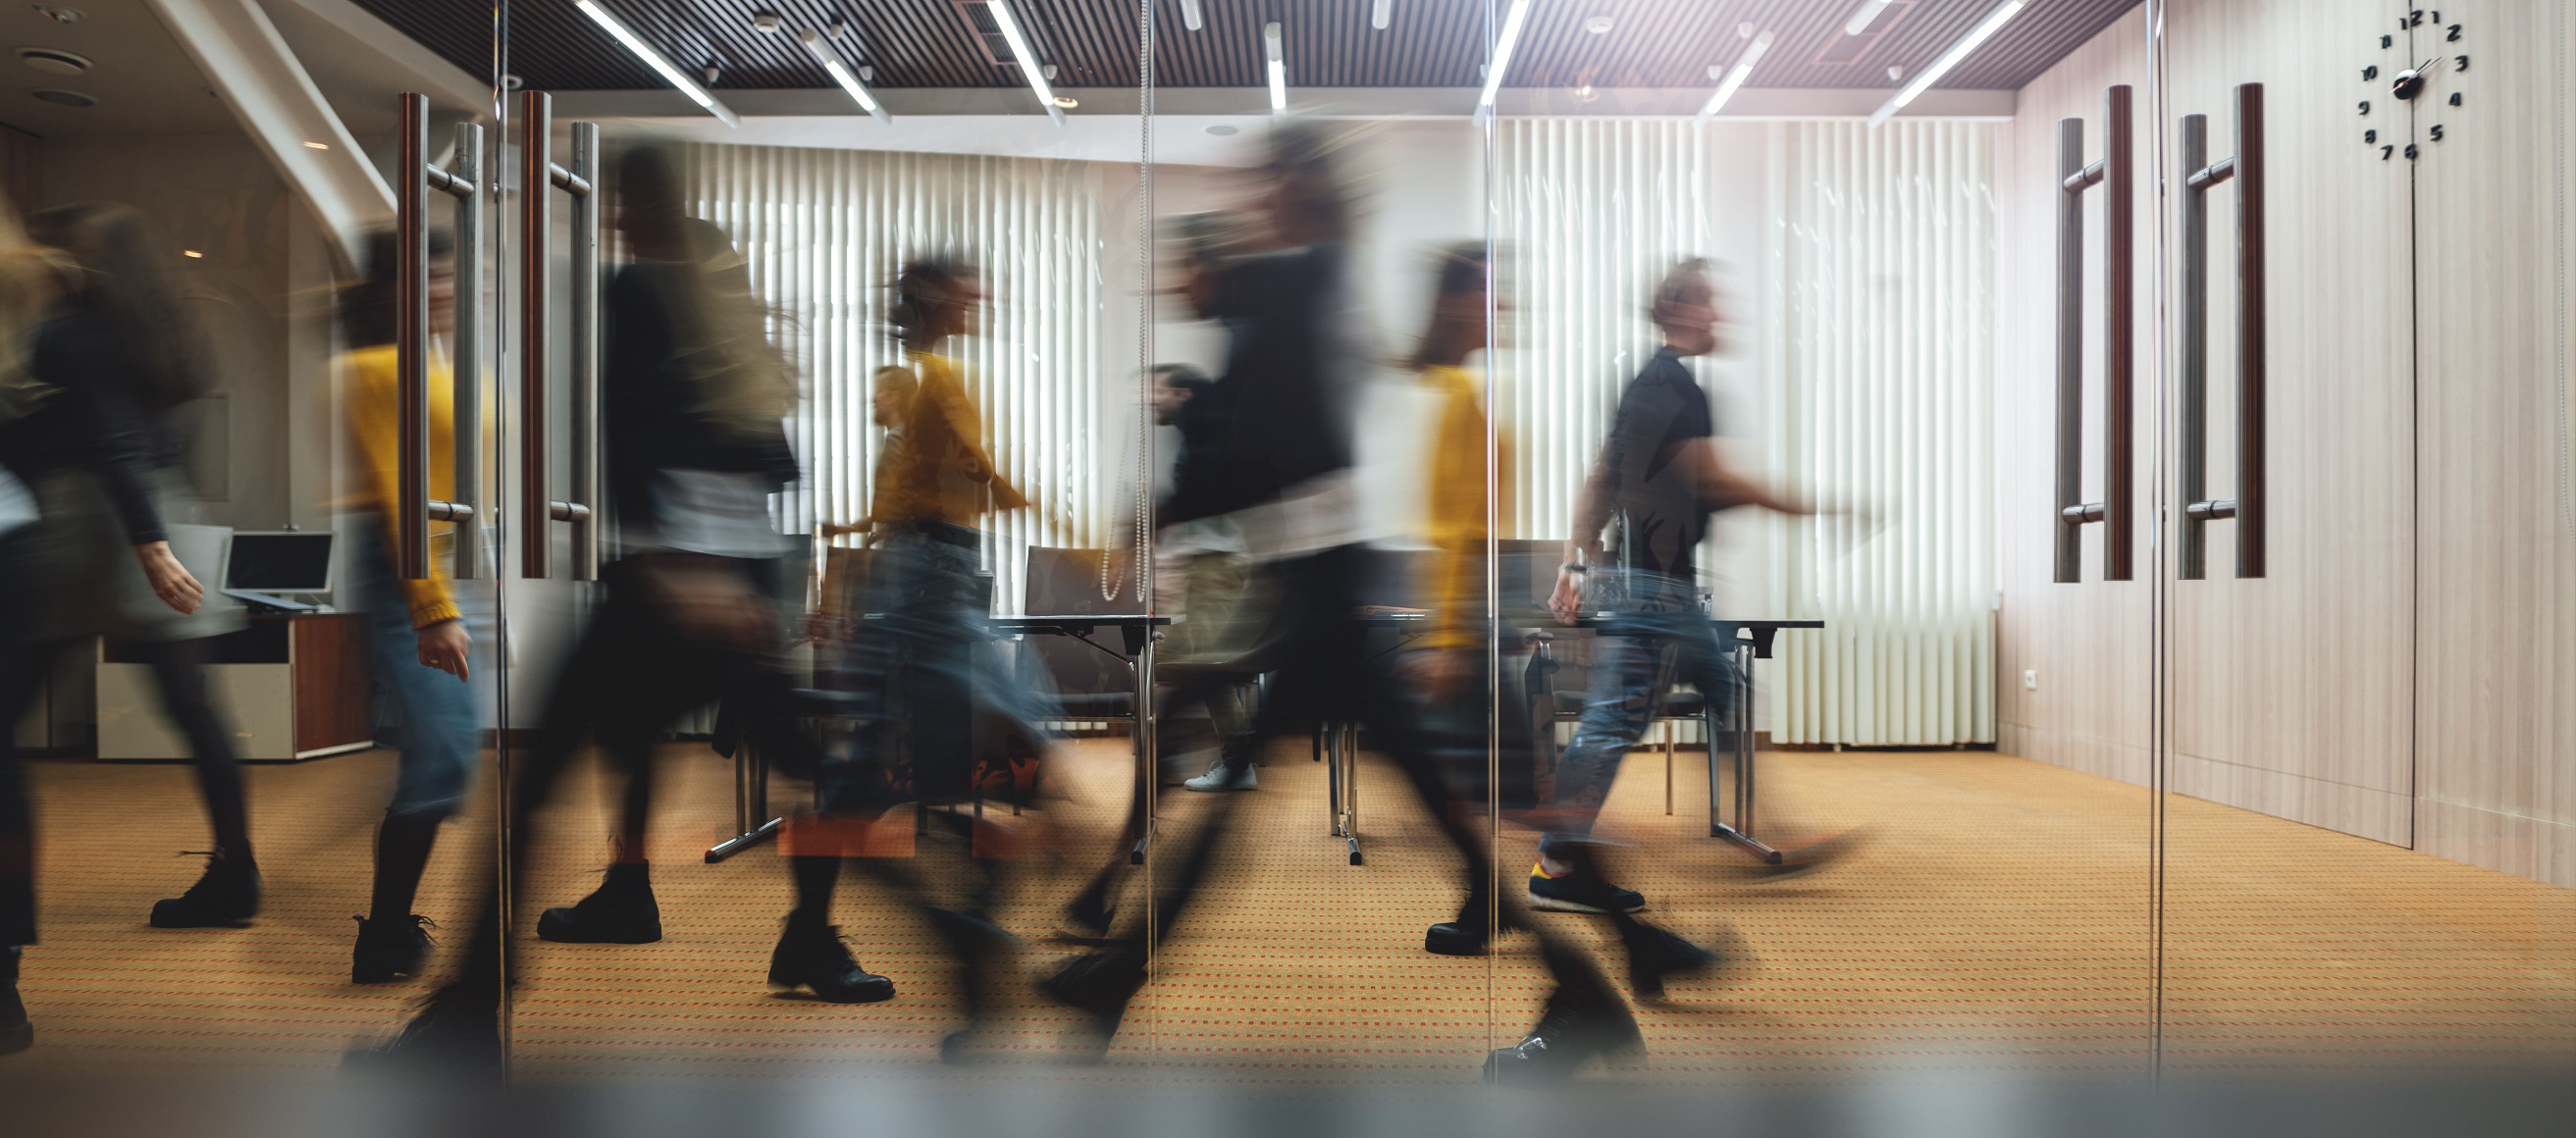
[
  {"x": 119, "y": 356},
  {"x": 1290, "y": 492},
  {"x": 30, "y": 278},
  {"x": 940, "y": 725},
  {"x": 418, "y": 642},
  {"x": 694, "y": 397}
]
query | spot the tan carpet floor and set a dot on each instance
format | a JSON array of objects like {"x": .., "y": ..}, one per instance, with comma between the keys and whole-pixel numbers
[{"x": 1997, "y": 915}]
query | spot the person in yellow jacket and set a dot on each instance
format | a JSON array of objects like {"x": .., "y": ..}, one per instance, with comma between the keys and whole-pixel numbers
[{"x": 416, "y": 633}]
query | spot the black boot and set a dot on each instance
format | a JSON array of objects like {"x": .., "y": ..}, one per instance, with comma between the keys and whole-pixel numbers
[
  {"x": 811, "y": 955},
  {"x": 1466, "y": 936},
  {"x": 1575, "y": 1028},
  {"x": 620, "y": 911},
  {"x": 388, "y": 947},
  {"x": 226, "y": 895},
  {"x": 1100, "y": 983},
  {"x": 455, "y": 1032},
  {"x": 16, "y": 1034}
]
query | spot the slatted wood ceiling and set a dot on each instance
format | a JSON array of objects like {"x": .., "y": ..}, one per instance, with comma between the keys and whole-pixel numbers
[{"x": 1329, "y": 43}]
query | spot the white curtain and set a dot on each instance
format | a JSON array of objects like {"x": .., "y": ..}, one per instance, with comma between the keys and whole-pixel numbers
[
  {"x": 1861, "y": 371},
  {"x": 825, "y": 232}
]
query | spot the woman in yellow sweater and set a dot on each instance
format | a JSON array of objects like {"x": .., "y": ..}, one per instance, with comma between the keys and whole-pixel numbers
[{"x": 416, "y": 633}]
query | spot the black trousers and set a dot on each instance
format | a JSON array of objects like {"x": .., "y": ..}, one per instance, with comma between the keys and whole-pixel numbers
[{"x": 632, "y": 675}]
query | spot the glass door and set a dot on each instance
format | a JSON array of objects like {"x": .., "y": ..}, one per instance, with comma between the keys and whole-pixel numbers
[
  {"x": 256, "y": 652},
  {"x": 2358, "y": 521}
]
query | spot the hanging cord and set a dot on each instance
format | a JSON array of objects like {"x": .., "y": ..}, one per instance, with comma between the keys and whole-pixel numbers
[
  {"x": 2566, "y": 475},
  {"x": 1141, "y": 534}
]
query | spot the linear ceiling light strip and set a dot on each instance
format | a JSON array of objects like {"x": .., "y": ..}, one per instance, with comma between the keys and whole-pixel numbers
[
  {"x": 1028, "y": 59},
  {"x": 831, "y": 61},
  {"x": 654, "y": 59},
  {"x": 1994, "y": 22}
]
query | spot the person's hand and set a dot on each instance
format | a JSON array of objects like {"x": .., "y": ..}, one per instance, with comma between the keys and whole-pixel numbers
[
  {"x": 443, "y": 646},
  {"x": 1566, "y": 601},
  {"x": 170, "y": 580}
]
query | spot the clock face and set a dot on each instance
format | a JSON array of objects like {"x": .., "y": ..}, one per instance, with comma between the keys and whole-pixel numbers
[{"x": 2415, "y": 75}]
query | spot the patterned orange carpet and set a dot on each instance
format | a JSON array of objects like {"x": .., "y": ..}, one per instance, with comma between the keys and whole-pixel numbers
[{"x": 1996, "y": 916}]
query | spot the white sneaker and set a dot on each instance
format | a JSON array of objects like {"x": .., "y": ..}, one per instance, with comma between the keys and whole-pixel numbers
[{"x": 1219, "y": 778}]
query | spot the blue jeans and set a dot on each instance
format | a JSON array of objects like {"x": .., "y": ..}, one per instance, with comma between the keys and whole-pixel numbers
[
  {"x": 441, "y": 730},
  {"x": 924, "y": 668},
  {"x": 1658, "y": 636}
]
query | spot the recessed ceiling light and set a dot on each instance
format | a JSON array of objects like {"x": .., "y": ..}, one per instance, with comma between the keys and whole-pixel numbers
[
  {"x": 191, "y": 253},
  {"x": 317, "y": 146},
  {"x": 57, "y": 15},
  {"x": 61, "y": 98},
  {"x": 767, "y": 23},
  {"x": 1221, "y": 130},
  {"x": 54, "y": 60},
  {"x": 1598, "y": 25}
]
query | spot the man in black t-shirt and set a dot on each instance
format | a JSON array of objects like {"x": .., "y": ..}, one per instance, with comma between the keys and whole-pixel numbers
[{"x": 1654, "y": 486}]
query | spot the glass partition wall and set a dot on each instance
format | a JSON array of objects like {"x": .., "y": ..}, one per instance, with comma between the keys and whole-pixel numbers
[
  {"x": 2364, "y": 544},
  {"x": 1311, "y": 543}
]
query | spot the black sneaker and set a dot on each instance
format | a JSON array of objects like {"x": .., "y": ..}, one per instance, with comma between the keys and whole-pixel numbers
[
  {"x": 1581, "y": 892},
  {"x": 1655, "y": 955},
  {"x": 16, "y": 1033},
  {"x": 388, "y": 948},
  {"x": 813, "y": 956},
  {"x": 1450, "y": 938},
  {"x": 225, "y": 896},
  {"x": 1570, "y": 1034},
  {"x": 621, "y": 911}
]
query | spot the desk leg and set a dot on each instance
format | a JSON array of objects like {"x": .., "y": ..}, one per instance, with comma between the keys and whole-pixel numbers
[
  {"x": 1740, "y": 720},
  {"x": 752, "y": 821},
  {"x": 1351, "y": 789}
]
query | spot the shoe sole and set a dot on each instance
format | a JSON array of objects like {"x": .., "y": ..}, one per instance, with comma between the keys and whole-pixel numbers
[
  {"x": 556, "y": 934},
  {"x": 227, "y": 923},
  {"x": 1553, "y": 905}
]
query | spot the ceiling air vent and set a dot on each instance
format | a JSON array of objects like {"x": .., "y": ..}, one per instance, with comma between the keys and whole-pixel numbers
[
  {"x": 64, "y": 98},
  {"x": 978, "y": 15},
  {"x": 54, "y": 60}
]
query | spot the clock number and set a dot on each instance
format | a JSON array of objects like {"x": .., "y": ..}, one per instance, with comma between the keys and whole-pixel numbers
[
  {"x": 2410, "y": 152},
  {"x": 2414, "y": 19},
  {"x": 2370, "y": 137},
  {"x": 2437, "y": 15},
  {"x": 2437, "y": 132},
  {"x": 2464, "y": 63},
  {"x": 2455, "y": 98},
  {"x": 2385, "y": 151},
  {"x": 2386, "y": 42},
  {"x": 2365, "y": 106},
  {"x": 2369, "y": 73},
  {"x": 2454, "y": 37}
]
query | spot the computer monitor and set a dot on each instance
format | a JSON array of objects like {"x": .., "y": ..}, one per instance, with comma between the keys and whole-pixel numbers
[{"x": 285, "y": 561}]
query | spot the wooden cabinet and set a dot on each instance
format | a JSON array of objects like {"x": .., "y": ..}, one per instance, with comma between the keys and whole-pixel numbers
[{"x": 287, "y": 688}]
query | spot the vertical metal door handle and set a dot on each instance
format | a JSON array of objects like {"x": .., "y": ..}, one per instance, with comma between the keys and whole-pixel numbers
[
  {"x": 416, "y": 177},
  {"x": 2116, "y": 175},
  {"x": 2246, "y": 170},
  {"x": 538, "y": 178}
]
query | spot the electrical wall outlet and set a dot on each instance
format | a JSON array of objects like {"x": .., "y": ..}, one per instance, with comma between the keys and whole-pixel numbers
[{"x": 2030, "y": 679}]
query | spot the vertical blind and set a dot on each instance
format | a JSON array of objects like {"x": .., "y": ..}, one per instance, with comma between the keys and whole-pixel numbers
[
  {"x": 1887, "y": 256},
  {"x": 825, "y": 232},
  {"x": 1872, "y": 365}
]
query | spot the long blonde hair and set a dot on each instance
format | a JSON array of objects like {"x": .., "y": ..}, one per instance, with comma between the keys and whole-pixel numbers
[{"x": 31, "y": 277}]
